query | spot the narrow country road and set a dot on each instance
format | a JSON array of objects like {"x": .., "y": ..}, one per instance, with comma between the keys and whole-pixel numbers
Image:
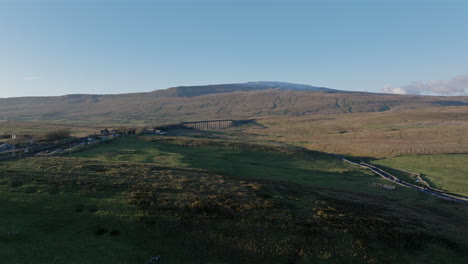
[
  {"x": 32, "y": 152},
  {"x": 394, "y": 179}
]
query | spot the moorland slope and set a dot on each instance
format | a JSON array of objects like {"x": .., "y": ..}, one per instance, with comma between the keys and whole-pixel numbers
[{"x": 236, "y": 101}]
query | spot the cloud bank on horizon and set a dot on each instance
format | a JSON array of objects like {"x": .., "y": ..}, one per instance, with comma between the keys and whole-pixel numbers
[{"x": 457, "y": 85}]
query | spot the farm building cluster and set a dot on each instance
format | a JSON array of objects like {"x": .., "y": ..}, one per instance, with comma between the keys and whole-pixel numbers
[
  {"x": 15, "y": 142},
  {"x": 130, "y": 131}
]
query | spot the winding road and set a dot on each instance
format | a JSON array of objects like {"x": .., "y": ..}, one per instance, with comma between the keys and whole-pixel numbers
[{"x": 395, "y": 180}]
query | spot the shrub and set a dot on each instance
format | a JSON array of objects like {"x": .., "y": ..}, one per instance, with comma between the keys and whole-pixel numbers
[
  {"x": 79, "y": 208},
  {"x": 57, "y": 134},
  {"x": 30, "y": 189},
  {"x": 100, "y": 231},
  {"x": 114, "y": 233},
  {"x": 15, "y": 183},
  {"x": 53, "y": 189}
]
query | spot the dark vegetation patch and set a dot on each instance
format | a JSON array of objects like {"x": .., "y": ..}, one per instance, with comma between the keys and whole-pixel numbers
[
  {"x": 92, "y": 208},
  {"x": 15, "y": 183},
  {"x": 114, "y": 232},
  {"x": 79, "y": 208},
  {"x": 30, "y": 189},
  {"x": 450, "y": 103},
  {"x": 218, "y": 217},
  {"x": 53, "y": 189},
  {"x": 100, "y": 231}
]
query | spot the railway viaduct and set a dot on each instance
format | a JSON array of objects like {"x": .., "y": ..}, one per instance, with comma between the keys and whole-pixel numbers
[{"x": 207, "y": 125}]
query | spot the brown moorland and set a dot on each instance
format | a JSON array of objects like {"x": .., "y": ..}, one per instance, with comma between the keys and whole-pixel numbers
[
  {"x": 235, "y": 101},
  {"x": 437, "y": 130}
]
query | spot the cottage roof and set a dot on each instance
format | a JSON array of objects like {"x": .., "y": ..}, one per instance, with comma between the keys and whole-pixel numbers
[{"x": 5, "y": 146}]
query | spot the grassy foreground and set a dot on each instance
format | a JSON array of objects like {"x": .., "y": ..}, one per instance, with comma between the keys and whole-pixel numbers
[{"x": 126, "y": 201}]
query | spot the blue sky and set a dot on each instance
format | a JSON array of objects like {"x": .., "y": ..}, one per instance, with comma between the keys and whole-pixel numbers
[{"x": 63, "y": 47}]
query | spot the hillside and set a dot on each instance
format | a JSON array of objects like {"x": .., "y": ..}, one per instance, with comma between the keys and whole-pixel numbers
[
  {"x": 190, "y": 91},
  {"x": 436, "y": 130},
  {"x": 194, "y": 200},
  {"x": 211, "y": 102}
]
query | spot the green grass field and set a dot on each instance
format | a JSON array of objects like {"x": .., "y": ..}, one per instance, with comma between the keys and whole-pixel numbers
[
  {"x": 312, "y": 169},
  {"x": 448, "y": 172}
]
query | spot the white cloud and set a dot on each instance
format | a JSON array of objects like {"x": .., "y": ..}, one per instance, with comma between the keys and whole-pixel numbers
[
  {"x": 455, "y": 86},
  {"x": 393, "y": 90}
]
